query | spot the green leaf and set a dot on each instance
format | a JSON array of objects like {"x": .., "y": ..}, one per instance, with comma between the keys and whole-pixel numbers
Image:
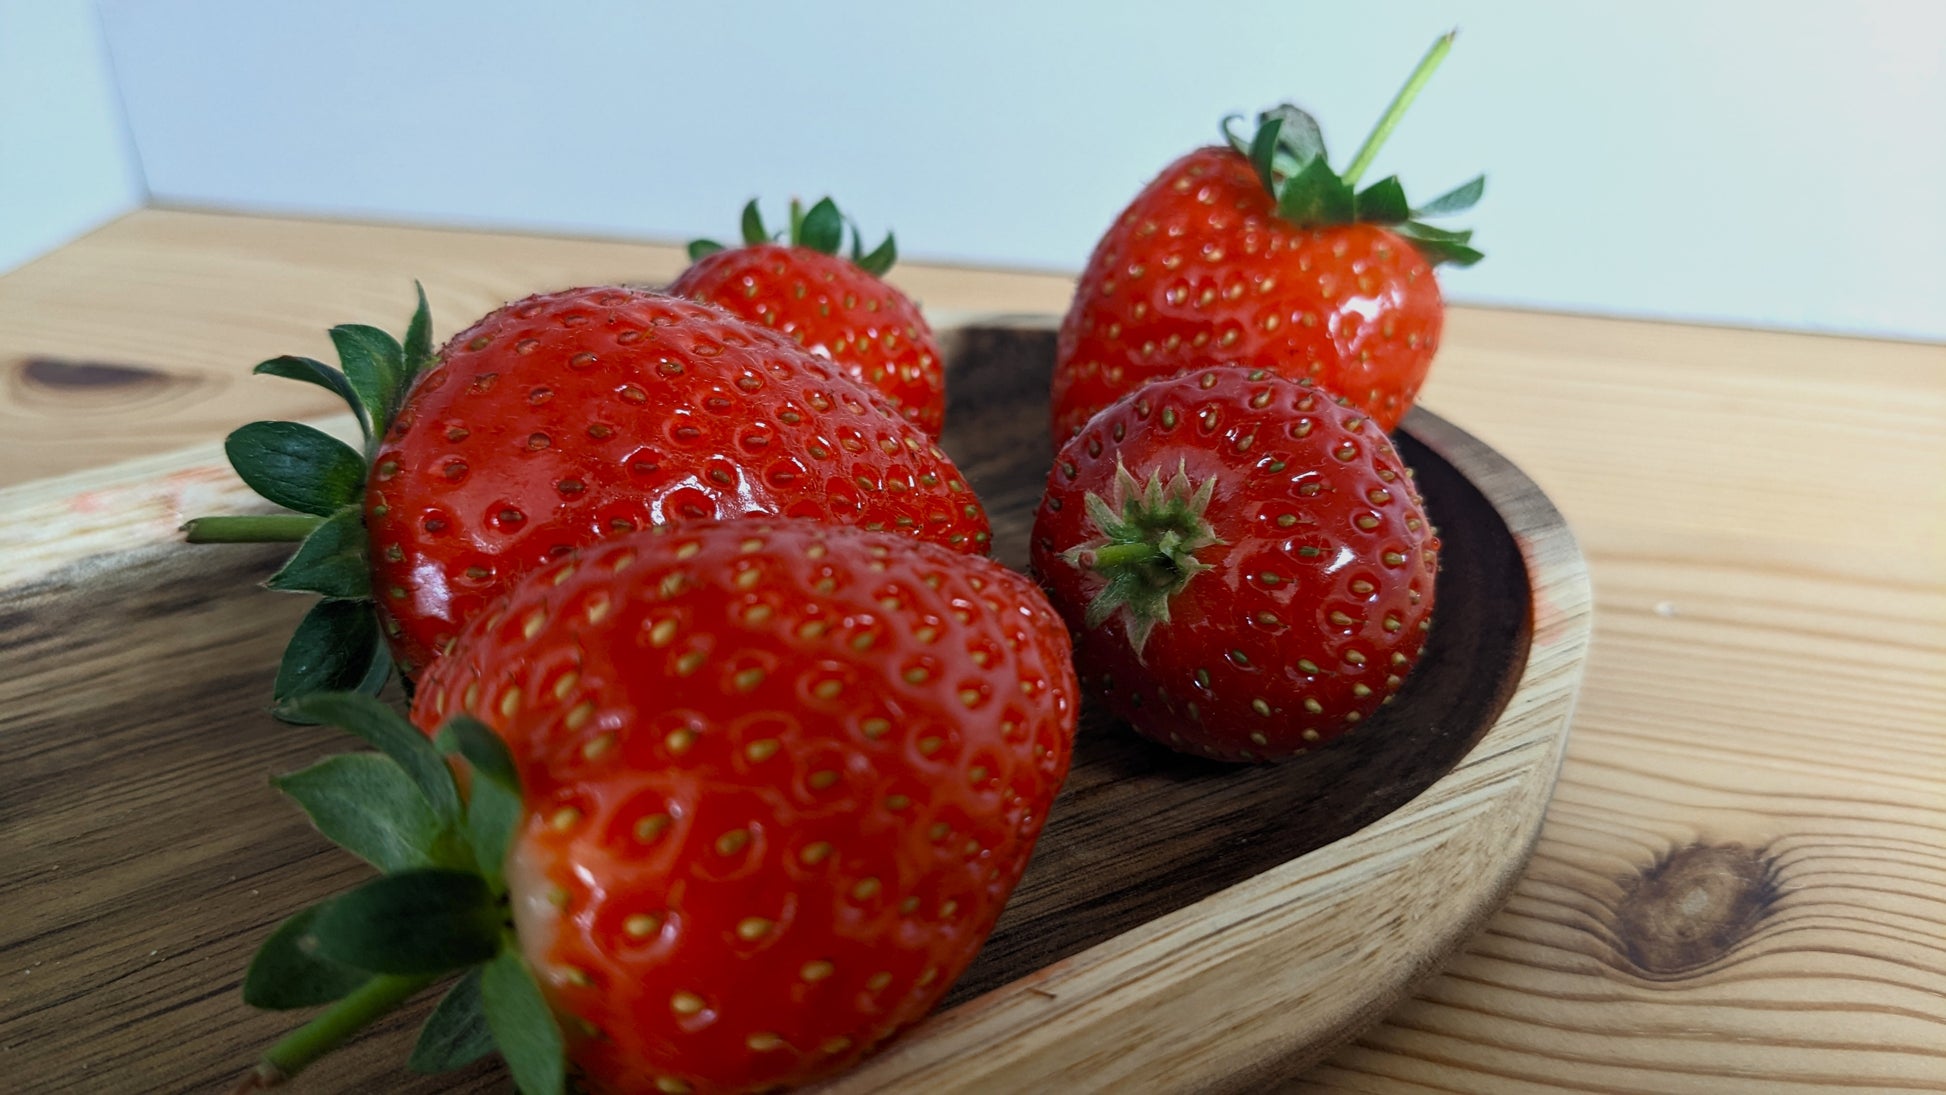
[
  {"x": 331, "y": 560},
  {"x": 1314, "y": 196},
  {"x": 296, "y": 466},
  {"x": 456, "y": 1033},
  {"x": 377, "y": 673},
  {"x": 1457, "y": 200},
  {"x": 1440, "y": 252},
  {"x": 1383, "y": 202},
  {"x": 1230, "y": 137},
  {"x": 493, "y": 816},
  {"x": 383, "y": 729},
  {"x": 494, "y": 809},
  {"x": 286, "y": 971},
  {"x": 1263, "y": 151},
  {"x": 470, "y": 738},
  {"x": 823, "y": 228},
  {"x": 369, "y": 806},
  {"x": 1420, "y": 231},
  {"x": 879, "y": 259},
  {"x": 1439, "y": 245},
  {"x": 374, "y": 362},
  {"x": 331, "y": 649},
  {"x": 418, "y": 338},
  {"x": 1299, "y": 139},
  {"x": 421, "y": 921},
  {"x": 312, "y": 371},
  {"x": 524, "y": 1027},
  {"x": 753, "y": 224},
  {"x": 702, "y": 249},
  {"x": 796, "y": 232}
]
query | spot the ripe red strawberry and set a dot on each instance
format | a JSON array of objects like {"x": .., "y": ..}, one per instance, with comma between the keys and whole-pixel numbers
[
  {"x": 1243, "y": 559},
  {"x": 835, "y": 307},
  {"x": 776, "y": 780},
  {"x": 550, "y": 424},
  {"x": 1259, "y": 254}
]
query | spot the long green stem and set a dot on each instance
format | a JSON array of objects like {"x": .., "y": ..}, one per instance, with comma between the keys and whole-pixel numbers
[
  {"x": 1400, "y": 102},
  {"x": 259, "y": 529},
  {"x": 364, "y": 1004}
]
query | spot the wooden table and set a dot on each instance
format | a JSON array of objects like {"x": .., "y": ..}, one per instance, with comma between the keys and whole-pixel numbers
[{"x": 1742, "y": 882}]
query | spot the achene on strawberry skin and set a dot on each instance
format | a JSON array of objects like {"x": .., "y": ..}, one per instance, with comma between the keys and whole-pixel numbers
[
  {"x": 1258, "y": 253},
  {"x": 554, "y": 423},
  {"x": 751, "y": 793},
  {"x": 1243, "y": 559},
  {"x": 835, "y": 306}
]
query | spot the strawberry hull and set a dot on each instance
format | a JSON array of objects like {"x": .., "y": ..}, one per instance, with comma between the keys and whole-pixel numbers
[
  {"x": 1245, "y": 562},
  {"x": 1200, "y": 269}
]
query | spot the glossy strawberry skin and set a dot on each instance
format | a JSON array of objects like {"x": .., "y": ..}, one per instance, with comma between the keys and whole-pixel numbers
[
  {"x": 563, "y": 419},
  {"x": 834, "y": 309},
  {"x": 1321, "y": 589},
  {"x": 1199, "y": 269},
  {"x": 782, "y": 777}
]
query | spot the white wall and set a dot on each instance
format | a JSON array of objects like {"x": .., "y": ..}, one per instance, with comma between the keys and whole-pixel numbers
[
  {"x": 1768, "y": 162},
  {"x": 65, "y": 161}
]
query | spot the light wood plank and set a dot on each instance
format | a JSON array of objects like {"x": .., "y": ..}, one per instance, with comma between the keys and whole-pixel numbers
[
  {"x": 1765, "y": 516},
  {"x": 183, "y": 304}
]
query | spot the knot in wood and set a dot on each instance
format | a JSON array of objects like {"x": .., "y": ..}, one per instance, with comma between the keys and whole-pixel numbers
[
  {"x": 60, "y": 375},
  {"x": 1692, "y": 907}
]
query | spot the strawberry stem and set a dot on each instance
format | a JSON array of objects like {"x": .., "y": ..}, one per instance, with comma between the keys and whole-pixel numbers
[
  {"x": 1124, "y": 555},
  {"x": 1146, "y": 552},
  {"x": 1400, "y": 102},
  {"x": 261, "y": 529},
  {"x": 375, "y": 998}
]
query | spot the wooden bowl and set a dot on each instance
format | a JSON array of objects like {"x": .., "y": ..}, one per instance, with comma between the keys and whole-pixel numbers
[
  {"x": 1184, "y": 924},
  {"x": 1189, "y": 924}
]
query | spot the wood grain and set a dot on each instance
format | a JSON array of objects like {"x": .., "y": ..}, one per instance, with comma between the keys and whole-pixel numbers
[
  {"x": 138, "y": 339},
  {"x": 1764, "y": 515},
  {"x": 141, "y": 860},
  {"x": 1437, "y": 795}
]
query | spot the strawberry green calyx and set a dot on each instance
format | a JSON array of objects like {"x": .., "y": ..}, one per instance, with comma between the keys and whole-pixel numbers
[
  {"x": 820, "y": 228},
  {"x": 322, "y": 479},
  {"x": 1287, "y": 149},
  {"x": 1150, "y": 535},
  {"x": 439, "y": 912}
]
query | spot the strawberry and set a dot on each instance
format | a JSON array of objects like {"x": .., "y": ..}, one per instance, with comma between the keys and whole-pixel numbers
[
  {"x": 1243, "y": 559},
  {"x": 754, "y": 792},
  {"x": 554, "y": 422},
  {"x": 835, "y": 307},
  {"x": 1259, "y": 254}
]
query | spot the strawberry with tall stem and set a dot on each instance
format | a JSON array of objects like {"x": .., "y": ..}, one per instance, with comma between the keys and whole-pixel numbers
[{"x": 1258, "y": 253}]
